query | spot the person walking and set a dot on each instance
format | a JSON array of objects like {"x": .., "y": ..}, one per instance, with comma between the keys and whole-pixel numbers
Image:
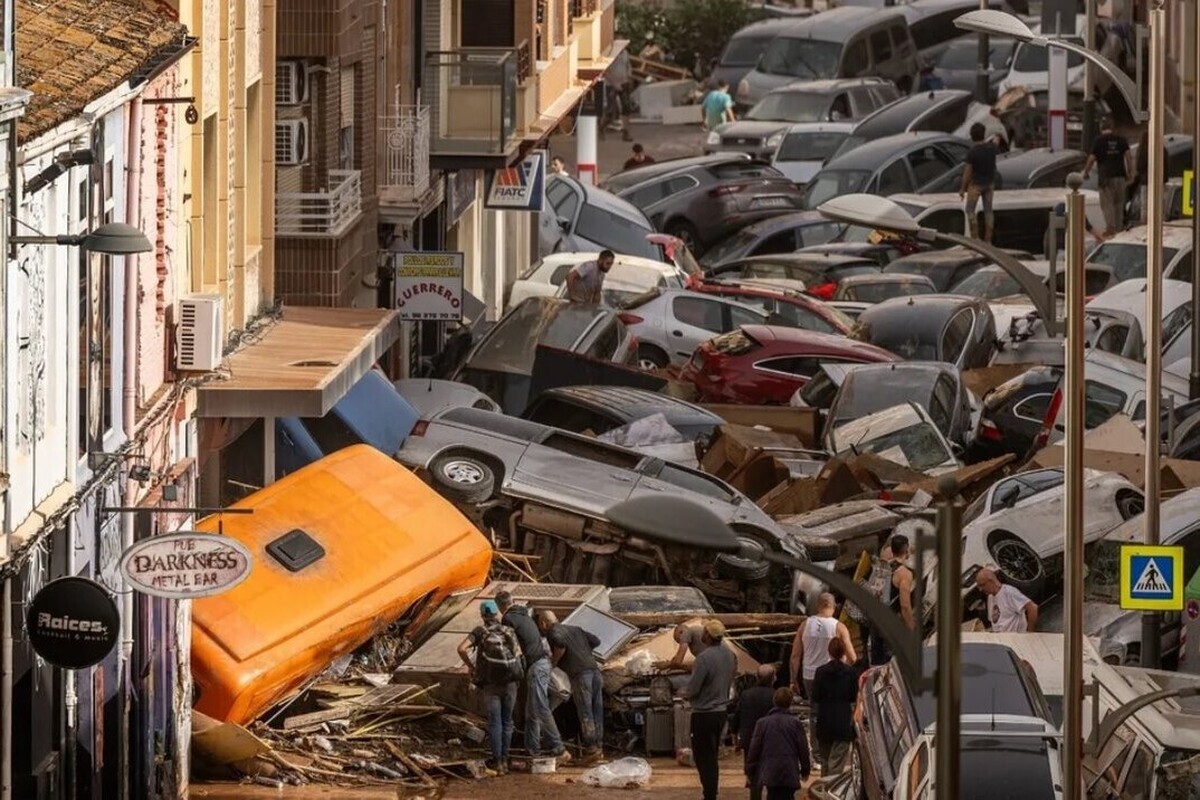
[
  {"x": 751, "y": 706},
  {"x": 1114, "y": 163},
  {"x": 540, "y": 727},
  {"x": 834, "y": 694},
  {"x": 708, "y": 692},
  {"x": 979, "y": 181},
  {"x": 1008, "y": 609},
  {"x": 585, "y": 282},
  {"x": 779, "y": 758},
  {"x": 492, "y": 653},
  {"x": 718, "y": 107},
  {"x": 640, "y": 158},
  {"x": 571, "y": 649}
]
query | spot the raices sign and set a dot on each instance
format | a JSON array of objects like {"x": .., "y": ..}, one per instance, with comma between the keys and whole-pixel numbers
[{"x": 186, "y": 565}]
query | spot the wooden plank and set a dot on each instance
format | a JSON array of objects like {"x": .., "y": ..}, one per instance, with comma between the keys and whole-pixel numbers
[
  {"x": 316, "y": 717},
  {"x": 761, "y": 622}
]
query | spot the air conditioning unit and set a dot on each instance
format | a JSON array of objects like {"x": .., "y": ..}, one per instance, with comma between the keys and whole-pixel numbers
[
  {"x": 199, "y": 336},
  {"x": 291, "y": 142},
  {"x": 291, "y": 83}
]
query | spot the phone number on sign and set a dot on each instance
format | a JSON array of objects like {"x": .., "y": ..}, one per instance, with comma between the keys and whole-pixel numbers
[{"x": 429, "y": 316}]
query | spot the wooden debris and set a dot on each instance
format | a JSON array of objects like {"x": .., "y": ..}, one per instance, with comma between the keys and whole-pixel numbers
[{"x": 316, "y": 717}]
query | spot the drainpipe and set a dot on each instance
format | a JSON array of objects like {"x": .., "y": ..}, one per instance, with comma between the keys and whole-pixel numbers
[
  {"x": 133, "y": 196},
  {"x": 6, "y": 685}
]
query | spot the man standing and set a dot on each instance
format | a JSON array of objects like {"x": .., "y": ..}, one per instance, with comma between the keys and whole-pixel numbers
[
  {"x": 539, "y": 720},
  {"x": 1112, "y": 158},
  {"x": 558, "y": 166},
  {"x": 752, "y": 705},
  {"x": 708, "y": 691},
  {"x": 639, "y": 158},
  {"x": 620, "y": 77},
  {"x": 585, "y": 282},
  {"x": 1008, "y": 609},
  {"x": 571, "y": 648},
  {"x": 810, "y": 647},
  {"x": 690, "y": 640},
  {"x": 834, "y": 693},
  {"x": 979, "y": 181},
  {"x": 718, "y": 107},
  {"x": 495, "y": 670}
]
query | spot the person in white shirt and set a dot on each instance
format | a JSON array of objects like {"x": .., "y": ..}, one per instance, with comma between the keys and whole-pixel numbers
[
  {"x": 585, "y": 282},
  {"x": 1009, "y": 610}
]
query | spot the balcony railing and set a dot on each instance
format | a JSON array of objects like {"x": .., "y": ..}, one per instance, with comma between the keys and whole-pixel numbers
[
  {"x": 406, "y": 136},
  {"x": 326, "y": 213},
  {"x": 475, "y": 112}
]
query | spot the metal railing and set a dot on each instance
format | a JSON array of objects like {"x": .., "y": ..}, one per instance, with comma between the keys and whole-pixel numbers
[
  {"x": 524, "y": 61},
  {"x": 406, "y": 139},
  {"x": 326, "y": 213},
  {"x": 475, "y": 111}
]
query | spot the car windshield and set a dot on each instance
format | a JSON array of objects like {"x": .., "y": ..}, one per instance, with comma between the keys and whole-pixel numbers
[
  {"x": 964, "y": 54},
  {"x": 1034, "y": 58},
  {"x": 733, "y": 247},
  {"x": 849, "y": 143},
  {"x": 801, "y": 58},
  {"x": 1126, "y": 259},
  {"x": 832, "y": 183},
  {"x": 809, "y": 146},
  {"x": 616, "y": 233},
  {"x": 1102, "y": 575},
  {"x": 998, "y": 769},
  {"x": 878, "y": 291},
  {"x": 744, "y": 51},
  {"x": 510, "y": 346},
  {"x": 988, "y": 284},
  {"x": 917, "y": 446},
  {"x": 908, "y": 344},
  {"x": 791, "y": 107},
  {"x": 864, "y": 393}
]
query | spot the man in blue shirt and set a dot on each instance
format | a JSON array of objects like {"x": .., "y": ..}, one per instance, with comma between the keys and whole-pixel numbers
[{"x": 718, "y": 107}]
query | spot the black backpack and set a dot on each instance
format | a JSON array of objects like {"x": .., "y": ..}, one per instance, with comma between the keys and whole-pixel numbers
[{"x": 497, "y": 656}]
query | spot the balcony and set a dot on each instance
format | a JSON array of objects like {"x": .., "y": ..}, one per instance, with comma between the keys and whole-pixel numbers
[
  {"x": 475, "y": 121},
  {"x": 328, "y": 213},
  {"x": 406, "y": 156},
  {"x": 595, "y": 22}
]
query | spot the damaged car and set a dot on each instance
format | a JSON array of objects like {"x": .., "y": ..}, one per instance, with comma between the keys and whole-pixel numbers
[
  {"x": 903, "y": 434},
  {"x": 548, "y": 492}
]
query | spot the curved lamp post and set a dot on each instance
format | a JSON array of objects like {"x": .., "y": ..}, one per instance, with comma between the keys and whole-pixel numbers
[
  {"x": 881, "y": 213},
  {"x": 112, "y": 239}
]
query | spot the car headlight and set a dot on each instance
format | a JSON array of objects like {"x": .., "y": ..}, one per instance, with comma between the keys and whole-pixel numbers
[
  {"x": 743, "y": 92},
  {"x": 714, "y": 137},
  {"x": 775, "y": 141}
]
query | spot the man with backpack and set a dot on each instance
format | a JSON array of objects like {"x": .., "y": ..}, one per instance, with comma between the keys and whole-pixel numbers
[
  {"x": 539, "y": 720},
  {"x": 496, "y": 669},
  {"x": 571, "y": 648},
  {"x": 891, "y": 581}
]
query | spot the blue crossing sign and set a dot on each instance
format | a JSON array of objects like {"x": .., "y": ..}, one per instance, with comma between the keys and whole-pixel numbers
[{"x": 1151, "y": 578}]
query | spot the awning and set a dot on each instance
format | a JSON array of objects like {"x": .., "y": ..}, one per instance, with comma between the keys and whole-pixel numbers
[{"x": 300, "y": 365}]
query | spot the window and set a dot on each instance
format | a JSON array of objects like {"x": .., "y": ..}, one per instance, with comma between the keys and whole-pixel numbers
[
  {"x": 330, "y": 432},
  {"x": 560, "y": 414},
  {"x": 694, "y": 482},
  {"x": 1100, "y": 403},
  {"x": 935, "y": 29},
  {"x": 895, "y": 179},
  {"x": 803, "y": 318},
  {"x": 593, "y": 451},
  {"x": 1137, "y": 775},
  {"x": 560, "y": 274},
  {"x": 788, "y": 106},
  {"x": 1053, "y": 178},
  {"x": 927, "y": 164},
  {"x": 941, "y": 405},
  {"x": 1182, "y": 271},
  {"x": 804, "y": 58},
  {"x": 811, "y": 235},
  {"x": 782, "y": 242},
  {"x": 744, "y": 51},
  {"x": 605, "y": 345},
  {"x": 956, "y": 151},
  {"x": 945, "y": 119},
  {"x": 647, "y": 196},
  {"x": 881, "y": 46},
  {"x": 954, "y": 338},
  {"x": 800, "y": 366},
  {"x": 855, "y": 62},
  {"x": 698, "y": 312},
  {"x": 1026, "y": 485},
  {"x": 617, "y": 233},
  {"x": 946, "y": 220},
  {"x": 1112, "y": 338},
  {"x": 1033, "y": 408},
  {"x": 739, "y": 316},
  {"x": 863, "y": 101},
  {"x": 884, "y": 93},
  {"x": 901, "y": 37},
  {"x": 1175, "y": 323},
  {"x": 680, "y": 183}
]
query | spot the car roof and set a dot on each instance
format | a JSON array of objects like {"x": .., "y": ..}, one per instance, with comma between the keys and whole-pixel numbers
[
  {"x": 1048, "y": 197},
  {"x": 871, "y": 155},
  {"x": 887, "y": 119},
  {"x": 826, "y": 85},
  {"x": 781, "y": 221},
  {"x": 992, "y": 683},
  {"x": 595, "y": 196},
  {"x": 919, "y": 9},
  {"x": 1177, "y": 234},
  {"x": 634, "y": 404},
  {"x": 765, "y": 334},
  {"x": 765, "y": 27},
  {"x": 886, "y": 277},
  {"x": 827, "y": 260},
  {"x": 837, "y": 24},
  {"x": 629, "y": 178},
  {"x": 1021, "y": 162},
  {"x": 821, "y": 127},
  {"x": 579, "y": 256},
  {"x": 889, "y": 315}
]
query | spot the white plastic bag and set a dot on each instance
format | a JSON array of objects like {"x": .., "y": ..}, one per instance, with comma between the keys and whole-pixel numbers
[
  {"x": 640, "y": 663},
  {"x": 645, "y": 432},
  {"x": 624, "y": 773}
]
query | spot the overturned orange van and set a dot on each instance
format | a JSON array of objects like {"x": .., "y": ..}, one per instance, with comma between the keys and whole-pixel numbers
[{"x": 342, "y": 549}]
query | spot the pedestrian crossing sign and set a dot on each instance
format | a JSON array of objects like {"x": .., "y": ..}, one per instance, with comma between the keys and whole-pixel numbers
[
  {"x": 1151, "y": 578},
  {"x": 1188, "y": 201}
]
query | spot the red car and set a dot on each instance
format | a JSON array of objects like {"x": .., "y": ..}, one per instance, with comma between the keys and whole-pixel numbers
[
  {"x": 765, "y": 364},
  {"x": 799, "y": 309}
]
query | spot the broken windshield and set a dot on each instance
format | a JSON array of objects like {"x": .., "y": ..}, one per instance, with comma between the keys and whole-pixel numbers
[{"x": 917, "y": 446}]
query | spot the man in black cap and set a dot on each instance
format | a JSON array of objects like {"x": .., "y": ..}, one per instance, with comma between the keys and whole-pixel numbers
[{"x": 539, "y": 720}]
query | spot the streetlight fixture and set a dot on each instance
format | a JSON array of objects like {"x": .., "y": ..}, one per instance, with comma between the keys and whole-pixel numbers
[
  {"x": 1000, "y": 23},
  {"x": 112, "y": 239},
  {"x": 881, "y": 213}
]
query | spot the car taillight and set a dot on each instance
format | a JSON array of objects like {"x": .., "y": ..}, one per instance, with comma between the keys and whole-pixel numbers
[
  {"x": 823, "y": 291},
  {"x": 722, "y": 191},
  {"x": 988, "y": 430},
  {"x": 420, "y": 428},
  {"x": 629, "y": 319},
  {"x": 1052, "y": 409}
]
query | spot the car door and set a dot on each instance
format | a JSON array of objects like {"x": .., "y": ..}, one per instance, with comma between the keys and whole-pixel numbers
[
  {"x": 928, "y": 163},
  {"x": 575, "y": 473},
  {"x": 557, "y": 222},
  {"x": 694, "y": 319},
  {"x": 862, "y": 102},
  {"x": 895, "y": 178}
]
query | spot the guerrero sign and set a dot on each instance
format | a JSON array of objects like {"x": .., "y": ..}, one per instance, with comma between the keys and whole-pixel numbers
[
  {"x": 429, "y": 286},
  {"x": 73, "y": 623},
  {"x": 185, "y": 565}
]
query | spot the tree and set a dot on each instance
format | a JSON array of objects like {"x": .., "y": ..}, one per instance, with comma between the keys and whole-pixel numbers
[{"x": 692, "y": 32}]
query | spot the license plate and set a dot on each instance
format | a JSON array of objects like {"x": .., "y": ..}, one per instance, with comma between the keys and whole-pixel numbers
[{"x": 772, "y": 202}]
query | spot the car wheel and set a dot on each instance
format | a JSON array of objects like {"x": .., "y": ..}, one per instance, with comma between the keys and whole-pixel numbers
[
  {"x": 1130, "y": 504},
  {"x": 1019, "y": 564},
  {"x": 738, "y": 568},
  {"x": 650, "y": 357},
  {"x": 687, "y": 234},
  {"x": 818, "y": 548},
  {"x": 463, "y": 478}
]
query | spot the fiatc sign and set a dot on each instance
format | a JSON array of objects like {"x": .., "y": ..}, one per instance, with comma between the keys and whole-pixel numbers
[
  {"x": 521, "y": 187},
  {"x": 429, "y": 286},
  {"x": 184, "y": 565}
]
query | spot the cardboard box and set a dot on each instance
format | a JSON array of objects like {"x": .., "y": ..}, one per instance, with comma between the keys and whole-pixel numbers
[{"x": 803, "y": 423}]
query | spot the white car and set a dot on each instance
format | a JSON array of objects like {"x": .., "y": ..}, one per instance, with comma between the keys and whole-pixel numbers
[
  {"x": 1017, "y": 525},
  {"x": 629, "y": 276},
  {"x": 903, "y": 434},
  {"x": 671, "y": 323},
  {"x": 1030, "y": 67},
  {"x": 805, "y": 147}
]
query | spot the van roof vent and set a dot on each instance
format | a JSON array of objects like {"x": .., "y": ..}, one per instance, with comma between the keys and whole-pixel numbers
[{"x": 296, "y": 550}]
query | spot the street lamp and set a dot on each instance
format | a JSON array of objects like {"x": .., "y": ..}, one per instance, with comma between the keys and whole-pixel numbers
[
  {"x": 881, "y": 213},
  {"x": 112, "y": 239},
  {"x": 1000, "y": 23}
]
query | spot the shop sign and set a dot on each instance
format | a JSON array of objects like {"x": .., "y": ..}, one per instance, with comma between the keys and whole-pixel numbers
[
  {"x": 519, "y": 188},
  {"x": 429, "y": 286},
  {"x": 185, "y": 565},
  {"x": 73, "y": 623}
]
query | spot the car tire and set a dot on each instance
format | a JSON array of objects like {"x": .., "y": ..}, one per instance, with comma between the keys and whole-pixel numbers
[
  {"x": 650, "y": 357},
  {"x": 1130, "y": 504},
  {"x": 819, "y": 548},
  {"x": 1018, "y": 563},
  {"x": 735, "y": 567},
  {"x": 464, "y": 479},
  {"x": 686, "y": 232}
]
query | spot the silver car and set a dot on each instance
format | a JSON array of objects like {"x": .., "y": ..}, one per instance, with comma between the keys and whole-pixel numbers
[
  {"x": 671, "y": 324},
  {"x": 561, "y": 485}
]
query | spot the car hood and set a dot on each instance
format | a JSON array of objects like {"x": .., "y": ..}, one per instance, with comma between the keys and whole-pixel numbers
[{"x": 752, "y": 128}]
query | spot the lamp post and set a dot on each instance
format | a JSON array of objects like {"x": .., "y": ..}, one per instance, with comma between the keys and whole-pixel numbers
[
  {"x": 1194, "y": 377},
  {"x": 880, "y": 213},
  {"x": 111, "y": 239}
]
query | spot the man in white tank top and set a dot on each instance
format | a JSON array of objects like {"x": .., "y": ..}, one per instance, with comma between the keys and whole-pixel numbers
[{"x": 810, "y": 647}]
